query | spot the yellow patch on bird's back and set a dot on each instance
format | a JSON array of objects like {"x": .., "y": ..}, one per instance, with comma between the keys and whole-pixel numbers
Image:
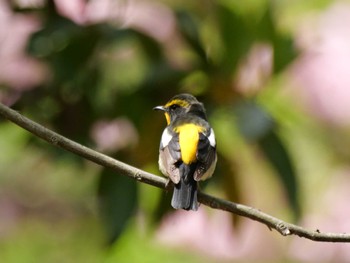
[{"x": 188, "y": 140}]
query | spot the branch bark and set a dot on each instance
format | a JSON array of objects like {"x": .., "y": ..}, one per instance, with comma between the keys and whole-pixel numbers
[{"x": 271, "y": 222}]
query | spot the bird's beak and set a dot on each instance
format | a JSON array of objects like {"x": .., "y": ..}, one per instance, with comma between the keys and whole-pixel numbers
[
  {"x": 161, "y": 108},
  {"x": 166, "y": 113}
]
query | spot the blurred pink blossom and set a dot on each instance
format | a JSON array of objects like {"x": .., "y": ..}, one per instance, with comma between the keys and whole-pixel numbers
[
  {"x": 17, "y": 70},
  {"x": 333, "y": 212},
  {"x": 255, "y": 70},
  {"x": 10, "y": 213},
  {"x": 213, "y": 235},
  {"x": 153, "y": 18},
  {"x": 323, "y": 71},
  {"x": 111, "y": 136},
  {"x": 73, "y": 9}
]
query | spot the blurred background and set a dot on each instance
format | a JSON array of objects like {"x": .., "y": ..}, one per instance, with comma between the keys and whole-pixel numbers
[{"x": 274, "y": 77}]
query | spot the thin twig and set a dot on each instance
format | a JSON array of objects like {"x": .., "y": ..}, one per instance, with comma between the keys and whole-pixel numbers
[{"x": 121, "y": 168}]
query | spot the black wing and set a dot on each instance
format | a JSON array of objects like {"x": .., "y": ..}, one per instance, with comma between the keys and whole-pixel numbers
[{"x": 206, "y": 158}]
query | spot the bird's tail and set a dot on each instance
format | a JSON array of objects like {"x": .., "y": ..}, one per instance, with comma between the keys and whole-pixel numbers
[{"x": 185, "y": 192}]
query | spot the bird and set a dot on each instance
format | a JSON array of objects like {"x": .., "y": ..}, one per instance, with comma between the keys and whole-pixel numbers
[{"x": 187, "y": 151}]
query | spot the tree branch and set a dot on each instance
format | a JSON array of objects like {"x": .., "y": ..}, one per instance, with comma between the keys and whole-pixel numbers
[{"x": 271, "y": 222}]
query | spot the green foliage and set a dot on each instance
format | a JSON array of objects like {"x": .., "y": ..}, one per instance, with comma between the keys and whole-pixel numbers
[
  {"x": 75, "y": 240},
  {"x": 138, "y": 248},
  {"x": 277, "y": 154},
  {"x": 256, "y": 125},
  {"x": 117, "y": 198}
]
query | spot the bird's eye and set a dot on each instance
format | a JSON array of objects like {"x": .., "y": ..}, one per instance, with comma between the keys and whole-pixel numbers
[{"x": 174, "y": 107}]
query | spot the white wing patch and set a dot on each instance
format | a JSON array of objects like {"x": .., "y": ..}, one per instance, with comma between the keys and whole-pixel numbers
[
  {"x": 211, "y": 138},
  {"x": 166, "y": 137}
]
